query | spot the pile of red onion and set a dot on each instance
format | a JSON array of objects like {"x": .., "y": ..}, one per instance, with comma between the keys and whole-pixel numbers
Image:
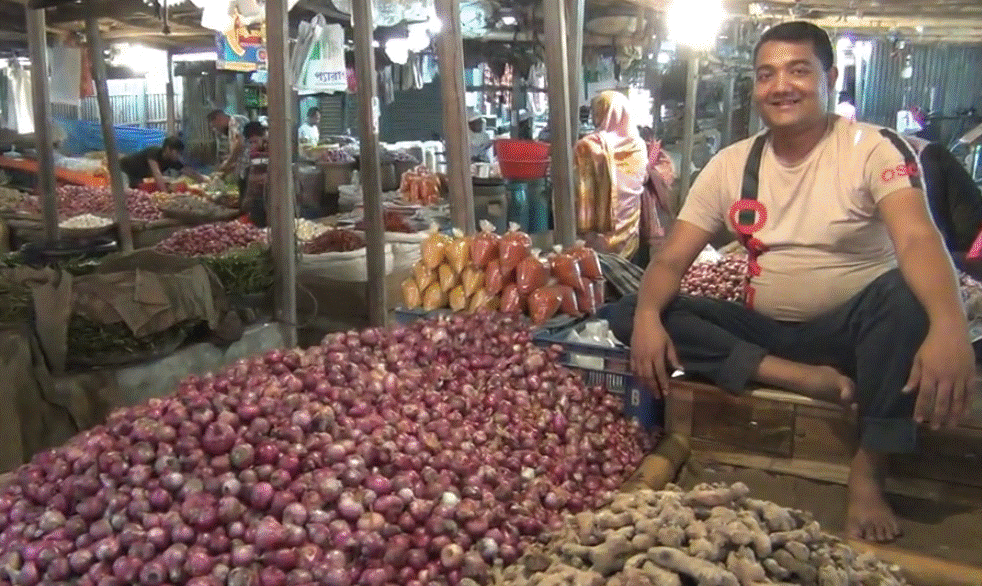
[
  {"x": 417, "y": 455},
  {"x": 725, "y": 279},
  {"x": 76, "y": 200},
  {"x": 212, "y": 239}
]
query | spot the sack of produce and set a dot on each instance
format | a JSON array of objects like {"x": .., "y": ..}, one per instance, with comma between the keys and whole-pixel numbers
[
  {"x": 434, "y": 297},
  {"x": 410, "y": 294},
  {"x": 588, "y": 260},
  {"x": 484, "y": 247},
  {"x": 495, "y": 278},
  {"x": 511, "y": 300},
  {"x": 472, "y": 279},
  {"x": 544, "y": 303},
  {"x": 458, "y": 299},
  {"x": 531, "y": 274},
  {"x": 483, "y": 301},
  {"x": 459, "y": 251},
  {"x": 434, "y": 248},
  {"x": 514, "y": 247},
  {"x": 447, "y": 278},
  {"x": 566, "y": 269},
  {"x": 424, "y": 276}
]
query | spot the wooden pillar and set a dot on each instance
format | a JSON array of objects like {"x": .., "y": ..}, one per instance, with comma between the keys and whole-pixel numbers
[
  {"x": 450, "y": 53},
  {"x": 171, "y": 101},
  {"x": 575, "y": 16},
  {"x": 689, "y": 124},
  {"x": 96, "y": 56},
  {"x": 38, "y": 44},
  {"x": 557, "y": 66},
  {"x": 280, "y": 176},
  {"x": 371, "y": 181}
]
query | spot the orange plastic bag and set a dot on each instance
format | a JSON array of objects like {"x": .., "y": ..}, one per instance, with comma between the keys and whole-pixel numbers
[
  {"x": 448, "y": 279},
  {"x": 569, "y": 304},
  {"x": 511, "y": 300},
  {"x": 483, "y": 301},
  {"x": 457, "y": 298},
  {"x": 484, "y": 246},
  {"x": 566, "y": 269},
  {"x": 424, "y": 276},
  {"x": 544, "y": 303},
  {"x": 410, "y": 294},
  {"x": 495, "y": 278},
  {"x": 599, "y": 287},
  {"x": 434, "y": 297},
  {"x": 434, "y": 248},
  {"x": 472, "y": 279},
  {"x": 588, "y": 259},
  {"x": 531, "y": 274},
  {"x": 458, "y": 252},
  {"x": 514, "y": 247}
]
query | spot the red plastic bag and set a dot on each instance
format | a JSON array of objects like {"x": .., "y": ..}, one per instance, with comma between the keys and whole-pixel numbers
[
  {"x": 511, "y": 300},
  {"x": 585, "y": 300},
  {"x": 495, "y": 278},
  {"x": 588, "y": 259},
  {"x": 599, "y": 287},
  {"x": 484, "y": 246},
  {"x": 566, "y": 269},
  {"x": 531, "y": 274},
  {"x": 544, "y": 303},
  {"x": 569, "y": 304},
  {"x": 513, "y": 248}
]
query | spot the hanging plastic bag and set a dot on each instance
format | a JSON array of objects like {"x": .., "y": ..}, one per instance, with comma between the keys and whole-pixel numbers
[
  {"x": 514, "y": 247},
  {"x": 511, "y": 300},
  {"x": 457, "y": 298},
  {"x": 410, "y": 294},
  {"x": 434, "y": 248},
  {"x": 434, "y": 297},
  {"x": 324, "y": 70},
  {"x": 544, "y": 303},
  {"x": 472, "y": 279},
  {"x": 484, "y": 247},
  {"x": 458, "y": 251},
  {"x": 589, "y": 261},
  {"x": 531, "y": 274}
]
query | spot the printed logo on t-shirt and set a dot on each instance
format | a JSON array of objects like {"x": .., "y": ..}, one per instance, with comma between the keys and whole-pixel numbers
[{"x": 908, "y": 170}]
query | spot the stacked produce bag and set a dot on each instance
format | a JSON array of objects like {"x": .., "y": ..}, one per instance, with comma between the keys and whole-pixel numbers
[
  {"x": 420, "y": 186},
  {"x": 492, "y": 272}
]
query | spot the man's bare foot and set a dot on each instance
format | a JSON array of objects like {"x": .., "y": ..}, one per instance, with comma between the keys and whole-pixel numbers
[
  {"x": 868, "y": 515},
  {"x": 825, "y": 383}
]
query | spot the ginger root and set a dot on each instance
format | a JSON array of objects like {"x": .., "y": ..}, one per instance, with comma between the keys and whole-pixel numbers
[
  {"x": 703, "y": 572},
  {"x": 713, "y": 496}
]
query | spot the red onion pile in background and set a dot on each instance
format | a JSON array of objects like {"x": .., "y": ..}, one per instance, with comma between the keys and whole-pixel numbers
[
  {"x": 212, "y": 239},
  {"x": 413, "y": 456},
  {"x": 724, "y": 280},
  {"x": 75, "y": 200}
]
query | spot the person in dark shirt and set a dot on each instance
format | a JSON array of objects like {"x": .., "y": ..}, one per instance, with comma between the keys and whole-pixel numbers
[{"x": 154, "y": 162}]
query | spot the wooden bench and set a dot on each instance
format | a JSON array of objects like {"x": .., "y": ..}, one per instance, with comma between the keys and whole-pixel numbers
[{"x": 784, "y": 433}]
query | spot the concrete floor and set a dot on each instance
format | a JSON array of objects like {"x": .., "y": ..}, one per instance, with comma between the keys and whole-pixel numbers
[{"x": 947, "y": 531}]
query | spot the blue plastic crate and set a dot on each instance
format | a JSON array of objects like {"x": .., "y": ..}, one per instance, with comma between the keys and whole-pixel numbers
[{"x": 615, "y": 376}]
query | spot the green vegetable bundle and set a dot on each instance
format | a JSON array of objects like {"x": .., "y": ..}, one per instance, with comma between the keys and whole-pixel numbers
[
  {"x": 243, "y": 271},
  {"x": 90, "y": 341}
]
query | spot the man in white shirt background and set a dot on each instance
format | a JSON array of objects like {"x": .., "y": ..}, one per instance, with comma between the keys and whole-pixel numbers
[{"x": 309, "y": 134}]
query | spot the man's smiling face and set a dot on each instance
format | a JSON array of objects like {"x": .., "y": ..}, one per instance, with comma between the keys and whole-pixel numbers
[{"x": 791, "y": 88}]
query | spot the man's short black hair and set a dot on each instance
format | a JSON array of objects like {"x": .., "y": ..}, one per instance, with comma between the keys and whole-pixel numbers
[
  {"x": 253, "y": 129},
  {"x": 174, "y": 143},
  {"x": 800, "y": 31},
  {"x": 312, "y": 111},
  {"x": 213, "y": 115}
]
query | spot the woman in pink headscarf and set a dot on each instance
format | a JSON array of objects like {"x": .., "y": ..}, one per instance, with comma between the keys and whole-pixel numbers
[{"x": 612, "y": 166}]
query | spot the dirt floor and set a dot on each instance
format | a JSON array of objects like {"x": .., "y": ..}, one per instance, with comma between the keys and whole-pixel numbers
[{"x": 952, "y": 532}]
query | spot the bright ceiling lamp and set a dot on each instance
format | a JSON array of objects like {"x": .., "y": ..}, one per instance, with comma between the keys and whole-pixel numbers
[{"x": 695, "y": 23}]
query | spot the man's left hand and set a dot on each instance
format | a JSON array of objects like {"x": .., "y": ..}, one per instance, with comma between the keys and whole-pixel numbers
[{"x": 943, "y": 376}]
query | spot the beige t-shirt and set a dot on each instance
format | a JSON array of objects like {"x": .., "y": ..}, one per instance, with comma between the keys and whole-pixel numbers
[{"x": 826, "y": 239}]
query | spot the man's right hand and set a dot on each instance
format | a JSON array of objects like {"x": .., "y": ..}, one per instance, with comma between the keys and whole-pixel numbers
[{"x": 651, "y": 351}]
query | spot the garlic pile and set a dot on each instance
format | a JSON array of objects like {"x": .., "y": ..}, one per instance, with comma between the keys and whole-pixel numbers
[
  {"x": 307, "y": 230},
  {"x": 85, "y": 221}
]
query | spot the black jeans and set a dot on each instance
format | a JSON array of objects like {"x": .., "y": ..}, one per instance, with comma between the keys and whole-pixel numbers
[{"x": 872, "y": 339}]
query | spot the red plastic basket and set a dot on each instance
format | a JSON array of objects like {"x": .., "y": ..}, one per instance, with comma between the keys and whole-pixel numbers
[
  {"x": 522, "y": 170},
  {"x": 511, "y": 149}
]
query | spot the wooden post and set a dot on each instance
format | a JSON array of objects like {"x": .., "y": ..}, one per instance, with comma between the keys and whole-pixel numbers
[
  {"x": 575, "y": 16},
  {"x": 171, "y": 101},
  {"x": 98, "y": 60},
  {"x": 38, "y": 44},
  {"x": 280, "y": 177},
  {"x": 689, "y": 124},
  {"x": 450, "y": 53},
  {"x": 371, "y": 181},
  {"x": 557, "y": 65}
]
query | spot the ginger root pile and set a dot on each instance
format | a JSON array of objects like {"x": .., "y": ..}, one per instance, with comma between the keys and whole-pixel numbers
[{"x": 714, "y": 535}]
